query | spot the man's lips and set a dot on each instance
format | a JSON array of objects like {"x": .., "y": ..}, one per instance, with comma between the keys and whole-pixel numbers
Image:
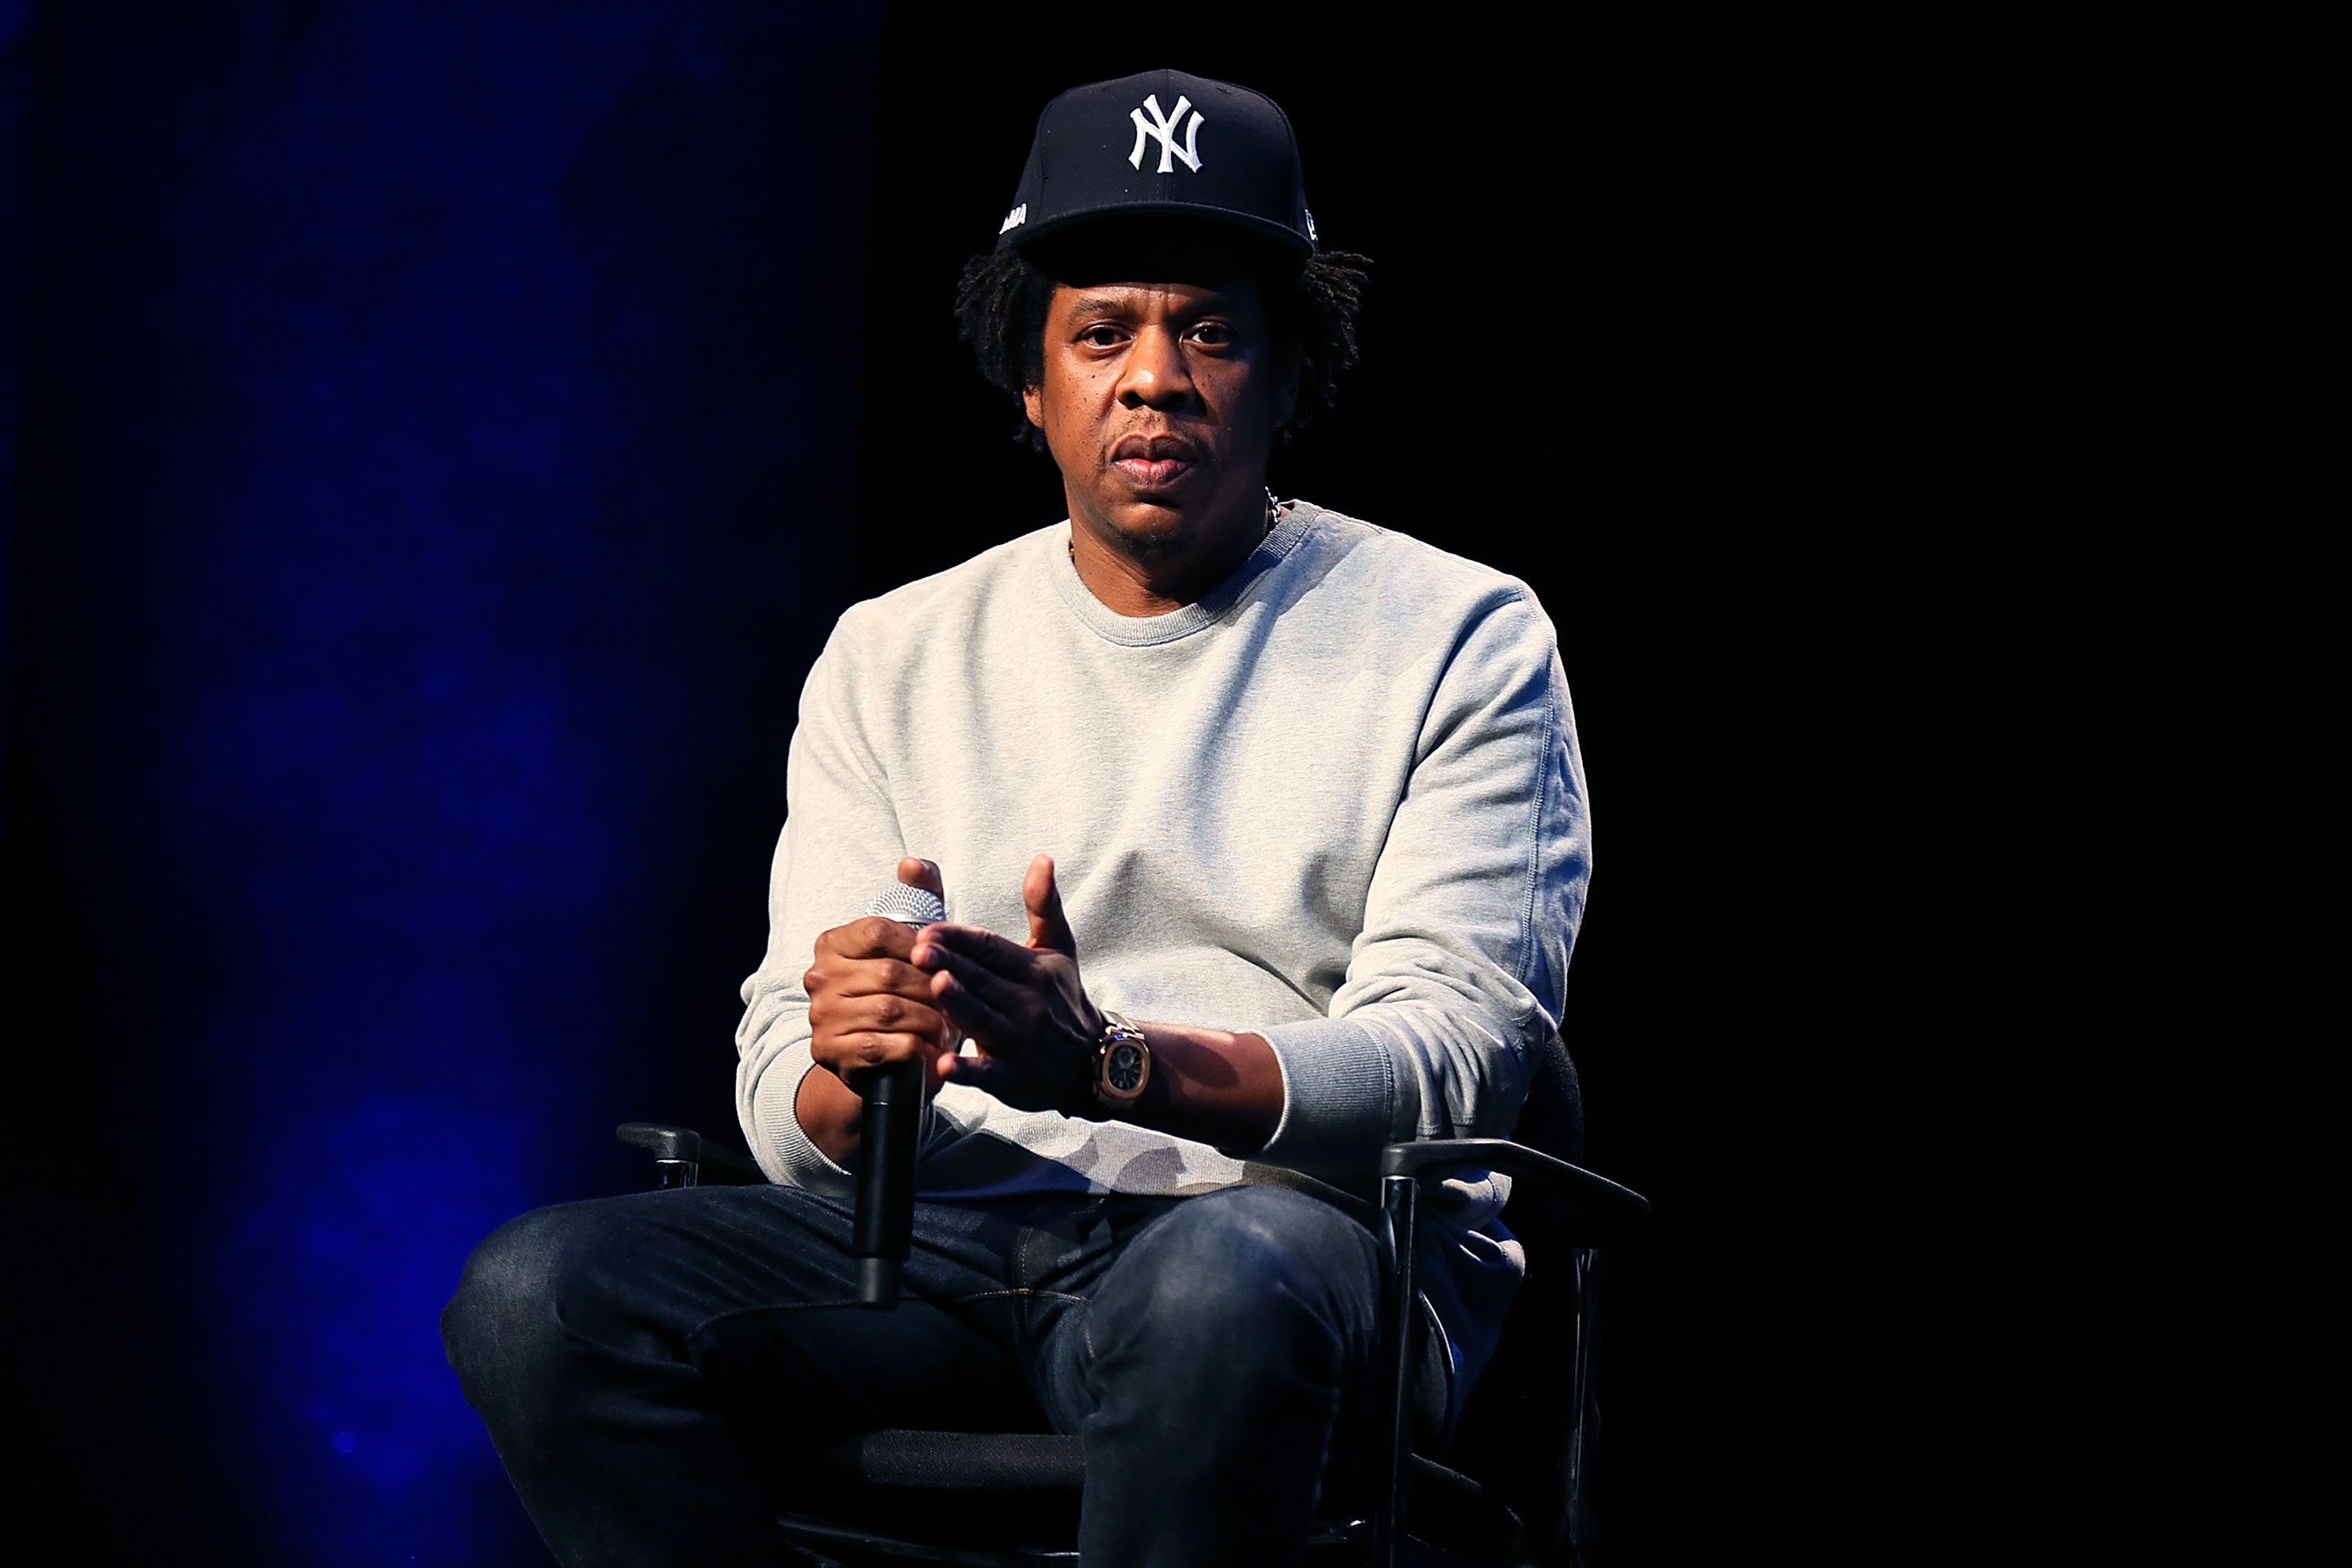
[
  {"x": 1150, "y": 462},
  {"x": 1151, "y": 473}
]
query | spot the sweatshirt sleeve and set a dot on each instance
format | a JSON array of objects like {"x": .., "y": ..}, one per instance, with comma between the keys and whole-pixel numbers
[
  {"x": 1460, "y": 973},
  {"x": 840, "y": 844}
]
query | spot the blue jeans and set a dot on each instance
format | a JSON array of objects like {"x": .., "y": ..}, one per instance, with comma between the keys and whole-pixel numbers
[{"x": 657, "y": 1369}]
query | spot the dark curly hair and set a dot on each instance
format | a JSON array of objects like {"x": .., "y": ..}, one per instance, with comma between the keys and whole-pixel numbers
[{"x": 1312, "y": 307}]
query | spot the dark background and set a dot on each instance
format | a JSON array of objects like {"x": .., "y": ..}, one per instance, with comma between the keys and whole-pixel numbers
[{"x": 435, "y": 438}]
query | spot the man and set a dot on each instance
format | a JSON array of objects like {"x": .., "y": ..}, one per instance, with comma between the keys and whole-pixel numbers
[{"x": 1283, "y": 814}]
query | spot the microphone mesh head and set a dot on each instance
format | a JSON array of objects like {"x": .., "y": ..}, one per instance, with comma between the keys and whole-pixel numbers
[{"x": 915, "y": 906}]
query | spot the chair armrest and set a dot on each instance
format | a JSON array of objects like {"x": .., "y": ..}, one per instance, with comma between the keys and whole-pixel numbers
[
  {"x": 1603, "y": 1212},
  {"x": 728, "y": 1166},
  {"x": 661, "y": 1141}
]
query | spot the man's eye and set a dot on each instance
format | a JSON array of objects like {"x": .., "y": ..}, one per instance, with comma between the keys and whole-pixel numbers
[
  {"x": 1100, "y": 337},
  {"x": 1216, "y": 335}
]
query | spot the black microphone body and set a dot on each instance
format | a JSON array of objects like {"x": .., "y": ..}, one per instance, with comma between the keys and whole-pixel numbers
[{"x": 887, "y": 1128}]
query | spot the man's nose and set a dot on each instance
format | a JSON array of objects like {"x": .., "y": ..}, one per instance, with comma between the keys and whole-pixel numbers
[{"x": 1153, "y": 374}]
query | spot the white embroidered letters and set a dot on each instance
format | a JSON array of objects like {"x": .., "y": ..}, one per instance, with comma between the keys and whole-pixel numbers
[{"x": 1164, "y": 127}]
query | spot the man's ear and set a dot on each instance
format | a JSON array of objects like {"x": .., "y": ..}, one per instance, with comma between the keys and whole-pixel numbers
[
  {"x": 1286, "y": 383},
  {"x": 1033, "y": 403}
]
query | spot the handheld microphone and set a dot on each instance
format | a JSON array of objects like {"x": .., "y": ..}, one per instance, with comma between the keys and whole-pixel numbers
[{"x": 888, "y": 1127}]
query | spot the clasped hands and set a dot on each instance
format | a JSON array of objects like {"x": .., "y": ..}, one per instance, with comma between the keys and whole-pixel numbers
[{"x": 882, "y": 991}]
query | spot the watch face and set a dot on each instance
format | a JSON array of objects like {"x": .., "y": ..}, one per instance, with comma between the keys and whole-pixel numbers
[{"x": 1123, "y": 1067}]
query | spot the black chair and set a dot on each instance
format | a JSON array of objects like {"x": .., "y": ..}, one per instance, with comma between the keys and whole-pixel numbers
[{"x": 1513, "y": 1491}]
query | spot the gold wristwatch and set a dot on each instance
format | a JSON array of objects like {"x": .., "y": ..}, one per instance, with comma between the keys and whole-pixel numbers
[{"x": 1122, "y": 1063}]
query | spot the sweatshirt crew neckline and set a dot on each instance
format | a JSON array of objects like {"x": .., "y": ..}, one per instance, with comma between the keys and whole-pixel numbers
[{"x": 1149, "y": 631}]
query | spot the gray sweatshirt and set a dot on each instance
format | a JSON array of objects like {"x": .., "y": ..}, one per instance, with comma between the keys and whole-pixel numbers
[{"x": 1335, "y": 803}]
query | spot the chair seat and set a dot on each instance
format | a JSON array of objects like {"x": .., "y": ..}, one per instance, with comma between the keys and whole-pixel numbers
[
  {"x": 958, "y": 1461},
  {"x": 942, "y": 1497},
  {"x": 1012, "y": 1496}
]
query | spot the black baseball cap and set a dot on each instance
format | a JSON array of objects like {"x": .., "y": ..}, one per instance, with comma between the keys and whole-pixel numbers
[{"x": 1168, "y": 143}]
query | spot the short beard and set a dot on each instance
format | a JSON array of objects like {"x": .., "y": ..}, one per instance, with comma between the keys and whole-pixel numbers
[{"x": 1157, "y": 546}]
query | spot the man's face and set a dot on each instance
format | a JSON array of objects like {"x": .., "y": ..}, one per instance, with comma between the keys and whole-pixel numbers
[{"x": 1159, "y": 402}]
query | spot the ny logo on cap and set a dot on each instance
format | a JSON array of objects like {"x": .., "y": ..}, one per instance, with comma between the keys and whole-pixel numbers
[{"x": 1164, "y": 127}]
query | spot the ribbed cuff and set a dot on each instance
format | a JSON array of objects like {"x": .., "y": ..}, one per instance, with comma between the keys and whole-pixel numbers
[
  {"x": 1340, "y": 1096},
  {"x": 782, "y": 1145}
]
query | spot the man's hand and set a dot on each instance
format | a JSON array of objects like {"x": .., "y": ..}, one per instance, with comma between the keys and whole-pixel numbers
[
  {"x": 1023, "y": 1006},
  {"x": 868, "y": 1007}
]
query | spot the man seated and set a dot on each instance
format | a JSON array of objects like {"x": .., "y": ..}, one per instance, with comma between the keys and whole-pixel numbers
[{"x": 1262, "y": 835}]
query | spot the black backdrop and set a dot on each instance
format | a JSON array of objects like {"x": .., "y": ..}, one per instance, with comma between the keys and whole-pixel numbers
[{"x": 441, "y": 433}]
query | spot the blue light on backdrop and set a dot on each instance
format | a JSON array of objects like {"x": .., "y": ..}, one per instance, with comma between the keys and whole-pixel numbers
[{"x": 433, "y": 481}]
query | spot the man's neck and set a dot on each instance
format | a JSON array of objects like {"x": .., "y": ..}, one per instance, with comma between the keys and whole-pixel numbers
[{"x": 1136, "y": 585}]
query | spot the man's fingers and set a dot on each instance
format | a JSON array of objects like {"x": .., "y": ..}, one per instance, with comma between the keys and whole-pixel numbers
[
  {"x": 867, "y": 977},
  {"x": 979, "y": 1072},
  {"x": 917, "y": 872},
  {"x": 849, "y": 1052},
  {"x": 875, "y": 936},
  {"x": 883, "y": 1011},
  {"x": 1048, "y": 926},
  {"x": 999, "y": 992},
  {"x": 967, "y": 1010},
  {"x": 984, "y": 948}
]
